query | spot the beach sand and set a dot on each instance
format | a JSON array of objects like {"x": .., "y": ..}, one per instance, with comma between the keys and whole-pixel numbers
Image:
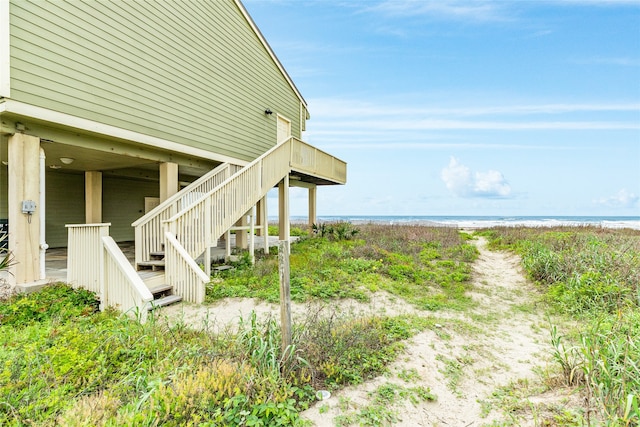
[{"x": 505, "y": 343}]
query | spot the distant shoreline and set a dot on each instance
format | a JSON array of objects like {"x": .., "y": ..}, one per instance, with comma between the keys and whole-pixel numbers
[{"x": 475, "y": 222}]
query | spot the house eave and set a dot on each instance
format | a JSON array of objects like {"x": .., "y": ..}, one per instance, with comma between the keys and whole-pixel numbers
[
  {"x": 266, "y": 45},
  {"x": 19, "y": 111}
]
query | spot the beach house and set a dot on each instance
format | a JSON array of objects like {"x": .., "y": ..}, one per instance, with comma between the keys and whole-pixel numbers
[{"x": 164, "y": 123}]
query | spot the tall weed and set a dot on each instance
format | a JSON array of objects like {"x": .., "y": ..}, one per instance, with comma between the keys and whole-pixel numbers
[{"x": 593, "y": 275}]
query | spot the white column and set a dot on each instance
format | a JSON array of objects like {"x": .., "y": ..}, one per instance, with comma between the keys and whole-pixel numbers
[
  {"x": 313, "y": 215},
  {"x": 264, "y": 220},
  {"x": 168, "y": 180},
  {"x": 43, "y": 199},
  {"x": 24, "y": 186},
  {"x": 283, "y": 212},
  {"x": 93, "y": 197}
]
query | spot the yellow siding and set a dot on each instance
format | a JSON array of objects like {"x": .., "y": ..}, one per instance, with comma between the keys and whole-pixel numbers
[
  {"x": 123, "y": 203},
  {"x": 190, "y": 72},
  {"x": 64, "y": 205}
]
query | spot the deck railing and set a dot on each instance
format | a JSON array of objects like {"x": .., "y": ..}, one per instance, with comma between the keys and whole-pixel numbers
[
  {"x": 84, "y": 254},
  {"x": 149, "y": 231},
  {"x": 313, "y": 161},
  {"x": 96, "y": 263}
]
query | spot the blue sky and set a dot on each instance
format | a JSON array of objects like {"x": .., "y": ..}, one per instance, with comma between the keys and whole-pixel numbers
[{"x": 467, "y": 107}]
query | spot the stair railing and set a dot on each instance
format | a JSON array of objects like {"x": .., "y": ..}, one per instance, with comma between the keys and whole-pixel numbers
[
  {"x": 149, "y": 231},
  {"x": 122, "y": 287},
  {"x": 186, "y": 277},
  {"x": 198, "y": 226},
  {"x": 203, "y": 222}
]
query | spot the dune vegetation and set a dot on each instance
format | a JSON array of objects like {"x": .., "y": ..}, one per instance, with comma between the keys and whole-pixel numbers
[
  {"x": 64, "y": 363},
  {"x": 591, "y": 277}
]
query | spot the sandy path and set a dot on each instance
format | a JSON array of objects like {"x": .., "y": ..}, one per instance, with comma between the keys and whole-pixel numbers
[
  {"x": 507, "y": 345},
  {"x": 499, "y": 342}
]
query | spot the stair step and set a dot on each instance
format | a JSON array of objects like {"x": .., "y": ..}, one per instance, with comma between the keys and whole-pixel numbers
[
  {"x": 157, "y": 255},
  {"x": 160, "y": 289},
  {"x": 153, "y": 264},
  {"x": 164, "y": 301},
  {"x": 152, "y": 278}
]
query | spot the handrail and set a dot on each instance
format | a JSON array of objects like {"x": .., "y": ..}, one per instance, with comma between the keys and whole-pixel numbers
[
  {"x": 187, "y": 279},
  {"x": 149, "y": 228},
  {"x": 203, "y": 222},
  {"x": 121, "y": 285},
  {"x": 199, "y": 225}
]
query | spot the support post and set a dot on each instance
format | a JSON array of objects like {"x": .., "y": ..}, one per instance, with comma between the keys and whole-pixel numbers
[
  {"x": 241, "y": 235},
  {"x": 264, "y": 221},
  {"x": 43, "y": 199},
  {"x": 283, "y": 213},
  {"x": 313, "y": 215},
  {"x": 207, "y": 236},
  {"x": 93, "y": 197},
  {"x": 168, "y": 180},
  {"x": 24, "y": 219},
  {"x": 285, "y": 293},
  {"x": 252, "y": 237}
]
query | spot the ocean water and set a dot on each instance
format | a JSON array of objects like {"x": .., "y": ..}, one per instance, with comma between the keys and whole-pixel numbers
[{"x": 488, "y": 221}]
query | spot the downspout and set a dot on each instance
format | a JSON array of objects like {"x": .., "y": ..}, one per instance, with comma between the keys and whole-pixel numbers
[{"x": 43, "y": 243}]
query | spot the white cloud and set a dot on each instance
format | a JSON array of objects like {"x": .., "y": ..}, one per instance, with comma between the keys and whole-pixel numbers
[
  {"x": 340, "y": 107},
  {"x": 460, "y": 180},
  {"x": 457, "y": 178},
  {"x": 350, "y": 115},
  {"x": 491, "y": 184},
  {"x": 622, "y": 199},
  {"x": 477, "y": 10}
]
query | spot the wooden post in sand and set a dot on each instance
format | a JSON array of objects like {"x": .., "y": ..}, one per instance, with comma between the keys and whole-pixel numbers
[{"x": 285, "y": 293}]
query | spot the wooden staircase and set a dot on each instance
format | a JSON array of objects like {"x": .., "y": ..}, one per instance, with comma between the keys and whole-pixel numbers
[
  {"x": 186, "y": 226},
  {"x": 152, "y": 274},
  {"x": 155, "y": 263},
  {"x": 162, "y": 293}
]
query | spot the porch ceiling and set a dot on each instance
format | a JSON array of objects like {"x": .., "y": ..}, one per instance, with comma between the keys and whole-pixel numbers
[
  {"x": 120, "y": 164},
  {"x": 90, "y": 160}
]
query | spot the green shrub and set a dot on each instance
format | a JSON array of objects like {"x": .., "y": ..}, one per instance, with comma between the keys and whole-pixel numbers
[
  {"x": 347, "y": 350},
  {"x": 59, "y": 300}
]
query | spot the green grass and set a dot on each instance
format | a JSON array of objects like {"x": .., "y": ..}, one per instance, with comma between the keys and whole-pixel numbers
[
  {"x": 428, "y": 267},
  {"x": 592, "y": 276},
  {"x": 62, "y": 363},
  {"x": 384, "y": 408}
]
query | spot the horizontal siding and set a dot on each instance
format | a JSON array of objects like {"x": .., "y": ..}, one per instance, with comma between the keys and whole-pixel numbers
[
  {"x": 66, "y": 199},
  {"x": 123, "y": 203},
  {"x": 64, "y": 205},
  {"x": 190, "y": 72}
]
